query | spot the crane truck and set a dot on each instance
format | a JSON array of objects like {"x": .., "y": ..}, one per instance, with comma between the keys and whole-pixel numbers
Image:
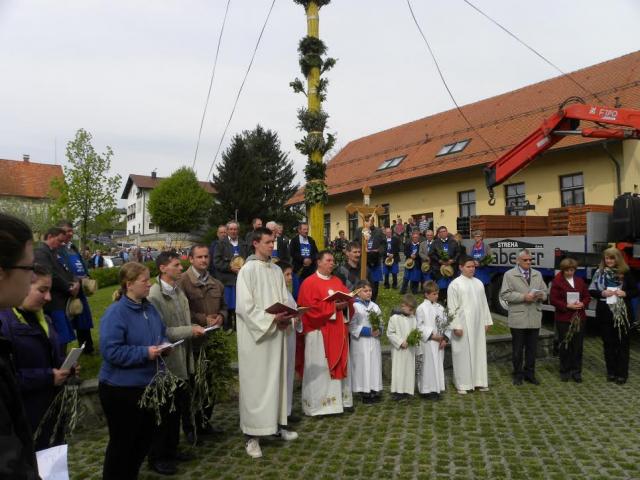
[{"x": 620, "y": 228}]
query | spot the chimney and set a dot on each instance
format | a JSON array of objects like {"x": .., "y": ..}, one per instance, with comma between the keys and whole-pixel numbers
[
  {"x": 153, "y": 174},
  {"x": 25, "y": 157}
]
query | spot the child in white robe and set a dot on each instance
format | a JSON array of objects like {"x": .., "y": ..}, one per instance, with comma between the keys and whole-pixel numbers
[
  {"x": 431, "y": 318},
  {"x": 287, "y": 271},
  {"x": 364, "y": 350},
  {"x": 403, "y": 357}
]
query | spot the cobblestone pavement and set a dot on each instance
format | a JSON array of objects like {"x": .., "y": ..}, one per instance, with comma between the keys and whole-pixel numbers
[{"x": 556, "y": 430}]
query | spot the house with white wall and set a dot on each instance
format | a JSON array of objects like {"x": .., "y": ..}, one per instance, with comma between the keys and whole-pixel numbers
[{"x": 136, "y": 193}]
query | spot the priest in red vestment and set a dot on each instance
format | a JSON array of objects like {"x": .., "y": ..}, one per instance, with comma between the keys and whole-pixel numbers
[{"x": 325, "y": 377}]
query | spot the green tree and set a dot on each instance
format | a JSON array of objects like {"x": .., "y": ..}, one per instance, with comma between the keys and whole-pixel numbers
[
  {"x": 86, "y": 192},
  {"x": 179, "y": 203},
  {"x": 256, "y": 178}
]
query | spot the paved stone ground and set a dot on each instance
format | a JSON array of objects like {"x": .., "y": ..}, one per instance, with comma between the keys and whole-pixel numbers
[{"x": 557, "y": 431}]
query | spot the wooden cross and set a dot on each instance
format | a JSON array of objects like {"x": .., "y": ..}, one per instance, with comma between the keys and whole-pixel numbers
[{"x": 365, "y": 212}]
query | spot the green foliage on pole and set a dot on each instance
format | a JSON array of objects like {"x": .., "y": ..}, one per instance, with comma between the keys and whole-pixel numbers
[
  {"x": 320, "y": 3},
  {"x": 312, "y": 54},
  {"x": 86, "y": 192},
  {"x": 179, "y": 203},
  {"x": 256, "y": 178}
]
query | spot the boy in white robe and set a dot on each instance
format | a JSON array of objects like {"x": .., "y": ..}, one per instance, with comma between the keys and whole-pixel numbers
[
  {"x": 466, "y": 297},
  {"x": 403, "y": 357},
  {"x": 287, "y": 271},
  {"x": 365, "y": 351},
  {"x": 431, "y": 318}
]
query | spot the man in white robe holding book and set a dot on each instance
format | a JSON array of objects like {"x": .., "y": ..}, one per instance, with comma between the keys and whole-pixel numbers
[{"x": 262, "y": 352}]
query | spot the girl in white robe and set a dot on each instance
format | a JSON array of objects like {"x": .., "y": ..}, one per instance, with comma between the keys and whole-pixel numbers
[
  {"x": 430, "y": 316},
  {"x": 365, "y": 352},
  {"x": 403, "y": 357}
]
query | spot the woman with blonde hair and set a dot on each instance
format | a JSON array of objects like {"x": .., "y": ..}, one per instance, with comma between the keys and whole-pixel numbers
[
  {"x": 614, "y": 287},
  {"x": 131, "y": 331}
]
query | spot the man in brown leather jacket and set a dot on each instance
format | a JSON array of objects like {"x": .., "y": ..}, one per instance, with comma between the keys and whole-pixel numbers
[{"x": 207, "y": 307}]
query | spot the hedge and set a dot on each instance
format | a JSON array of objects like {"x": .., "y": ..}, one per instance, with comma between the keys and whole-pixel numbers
[{"x": 110, "y": 276}]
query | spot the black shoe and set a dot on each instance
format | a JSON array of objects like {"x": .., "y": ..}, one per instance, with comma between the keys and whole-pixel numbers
[
  {"x": 564, "y": 377},
  {"x": 517, "y": 381},
  {"x": 163, "y": 467},
  {"x": 611, "y": 378},
  {"x": 293, "y": 419},
  {"x": 396, "y": 396},
  {"x": 183, "y": 456},
  {"x": 621, "y": 380},
  {"x": 367, "y": 399},
  {"x": 386, "y": 286},
  {"x": 348, "y": 409},
  {"x": 193, "y": 440},
  {"x": 376, "y": 397},
  {"x": 210, "y": 430},
  {"x": 577, "y": 378},
  {"x": 532, "y": 381}
]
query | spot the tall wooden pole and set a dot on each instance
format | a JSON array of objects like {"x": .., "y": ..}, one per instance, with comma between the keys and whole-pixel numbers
[{"x": 315, "y": 212}]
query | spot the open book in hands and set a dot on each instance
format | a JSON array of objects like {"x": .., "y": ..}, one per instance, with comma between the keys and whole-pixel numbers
[
  {"x": 341, "y": 296},
  {"x": 278, "y": 307},
  {"x": 72, "y": 358},
  {"x": 166, "y": 345}
]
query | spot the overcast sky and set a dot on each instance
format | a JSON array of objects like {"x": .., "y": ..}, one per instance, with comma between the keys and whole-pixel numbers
[{"x": 135, "y": 73}]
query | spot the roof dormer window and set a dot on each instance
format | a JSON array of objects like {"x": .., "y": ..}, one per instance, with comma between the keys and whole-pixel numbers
[
  {"x": 453, "y": 147},
  {"x": 391, "y": 162}
]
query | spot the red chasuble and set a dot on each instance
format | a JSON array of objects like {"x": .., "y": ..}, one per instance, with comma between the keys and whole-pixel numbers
[{"x": 335, "y": 333}]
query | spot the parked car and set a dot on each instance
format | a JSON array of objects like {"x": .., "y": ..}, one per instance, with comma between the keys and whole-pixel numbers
[{"x": 112, "y": 261}]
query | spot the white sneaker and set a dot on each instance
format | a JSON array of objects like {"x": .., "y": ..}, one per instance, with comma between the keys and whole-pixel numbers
[
  {"x": 483, "y": 389},
  {"x": 253, "y": 448},
  {"x": 286, "y": 435},
  {"x": 462, "y": 392}
]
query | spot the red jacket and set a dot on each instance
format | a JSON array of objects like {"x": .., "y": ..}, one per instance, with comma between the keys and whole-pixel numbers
[{"x": 558, "y": 296}]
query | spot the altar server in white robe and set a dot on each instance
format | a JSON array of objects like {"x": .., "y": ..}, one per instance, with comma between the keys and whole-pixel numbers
[
  {"x": 262, "y": 351},
  {"x": 472, "y": 320},
  {"x": 432, "y": 320},
  {"x": 403, "y": 357},
  {"x": 365, "y": 352},
  {"x": 296, "y": 327}
]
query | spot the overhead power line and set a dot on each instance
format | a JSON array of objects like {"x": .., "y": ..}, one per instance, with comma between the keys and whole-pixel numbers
[
  {"x": 213, "y": 75},
  {"x": 444, "y": 81},
  {"x": 235, "y": 104},
  {"x": 529, "y": 47}
]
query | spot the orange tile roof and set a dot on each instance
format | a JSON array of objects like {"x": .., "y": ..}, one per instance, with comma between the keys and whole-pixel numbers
[
  {"x": 503, "y": 121},
  {"x": 19, "y": 178},
  {"x": 147, "y": 181}
]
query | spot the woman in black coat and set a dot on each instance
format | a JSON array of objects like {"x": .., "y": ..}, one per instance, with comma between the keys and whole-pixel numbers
[
  {"x": 37, "y": 355},
  {"x": 613, "y": 283}
]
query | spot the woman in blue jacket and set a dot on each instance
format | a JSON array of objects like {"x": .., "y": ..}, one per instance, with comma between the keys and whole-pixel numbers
[
  {"x": 131, "y": 331},
  {"x": 37, "y": 355}
]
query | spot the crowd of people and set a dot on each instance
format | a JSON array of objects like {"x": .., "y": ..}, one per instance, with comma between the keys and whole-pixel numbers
[{"x": 292, "y": 307}]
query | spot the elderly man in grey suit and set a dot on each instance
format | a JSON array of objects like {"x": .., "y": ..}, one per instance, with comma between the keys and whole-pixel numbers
[{"x": 523, "y": 289}]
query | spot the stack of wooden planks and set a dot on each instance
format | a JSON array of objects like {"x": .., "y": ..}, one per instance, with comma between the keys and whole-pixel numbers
[
  {"x": 573, "y": 220},
  {"x": 495, "y": 226}
]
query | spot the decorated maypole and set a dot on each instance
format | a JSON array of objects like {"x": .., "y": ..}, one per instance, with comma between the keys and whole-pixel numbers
[{"x": 313, "y": 120}]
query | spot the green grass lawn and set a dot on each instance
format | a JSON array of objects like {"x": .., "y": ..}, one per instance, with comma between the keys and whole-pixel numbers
[
  {"x": 98, "y": 302},
  {"x": 390, "y": 298}
]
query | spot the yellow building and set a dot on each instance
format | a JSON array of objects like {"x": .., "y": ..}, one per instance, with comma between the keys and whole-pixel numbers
[{"x": 434, "y": 165}]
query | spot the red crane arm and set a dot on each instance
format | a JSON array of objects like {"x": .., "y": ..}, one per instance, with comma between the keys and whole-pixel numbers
[{"x": 553, "y": 129}]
